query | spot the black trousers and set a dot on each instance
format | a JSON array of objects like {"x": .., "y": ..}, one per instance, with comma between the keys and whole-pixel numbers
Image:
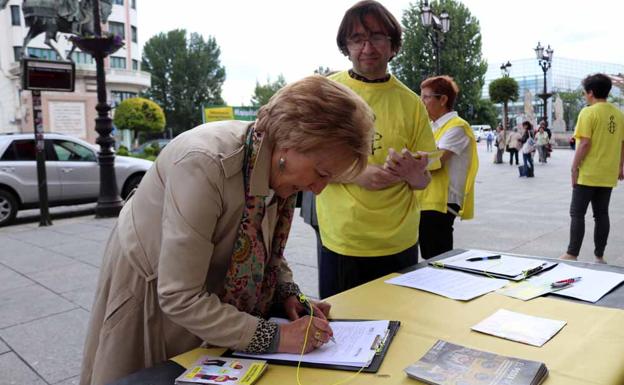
[
  {"x": 338, "y": 272},
  {"x": 435, "y": 234},
  {"x": 513, "y": 153},
  {"x": 599, "y": 198}
]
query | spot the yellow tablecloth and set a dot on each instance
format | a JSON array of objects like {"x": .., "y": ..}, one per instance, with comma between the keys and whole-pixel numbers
[{"x": 588, "y": 350}]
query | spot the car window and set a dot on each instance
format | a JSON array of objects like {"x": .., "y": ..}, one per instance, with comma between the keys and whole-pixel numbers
[
  {"x": 21, "y": 150},
  {"x": 73, "y": 152}
]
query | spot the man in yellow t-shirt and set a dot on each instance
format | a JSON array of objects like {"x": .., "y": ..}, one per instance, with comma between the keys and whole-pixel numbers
[
  {"x": 369, "y": 228},
  {"x": 598, "y": 164}
]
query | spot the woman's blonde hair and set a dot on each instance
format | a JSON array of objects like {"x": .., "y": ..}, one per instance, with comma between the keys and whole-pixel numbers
[{"x": 316, "y": 114}]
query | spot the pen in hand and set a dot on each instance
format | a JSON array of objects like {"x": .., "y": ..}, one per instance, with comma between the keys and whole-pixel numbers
[
  {"x": 307, "y": 310},
  {"x": 485, "y": 258}
]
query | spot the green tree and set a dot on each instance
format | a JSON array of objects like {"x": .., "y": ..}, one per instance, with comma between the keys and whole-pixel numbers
[
  {"x": 504, "y": 90},
  {"x": 139, "y": 115},
  {"x": 460, "y": 55},
  {"x": 186, "y": 74},
  {"x": 573, "y": 103},
  {"x": 485, "y": 113},
  {"x": 262, "y": 93}
]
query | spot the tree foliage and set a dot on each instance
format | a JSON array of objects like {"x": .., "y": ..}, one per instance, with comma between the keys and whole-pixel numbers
[
  {"x": 503, "y": 90},
  {"x": 485, "y": 113},
  {"x": 573, "y": 103},
  {"x": 460, "y": 55},
  {"x": 262, "y": 93},
  {"x": 186, "y": 74},
  {"x": 139, "y": 115}
]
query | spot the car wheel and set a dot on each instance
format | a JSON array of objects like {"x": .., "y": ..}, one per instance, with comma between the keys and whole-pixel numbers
[
  {"x": 8, "y": 207},
  {"x": 131, "y": 184}
]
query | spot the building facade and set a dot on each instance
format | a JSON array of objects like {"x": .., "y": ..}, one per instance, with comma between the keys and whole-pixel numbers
[
  {"x": 565, "y": 75},
  {"x": 72, "y": 113}
]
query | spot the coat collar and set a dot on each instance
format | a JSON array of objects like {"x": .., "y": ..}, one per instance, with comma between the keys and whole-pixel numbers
[{"x": 259, "y": 180}]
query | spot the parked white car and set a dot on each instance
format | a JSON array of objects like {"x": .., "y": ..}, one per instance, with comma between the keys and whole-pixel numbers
[{"x": 72, "y": 172}]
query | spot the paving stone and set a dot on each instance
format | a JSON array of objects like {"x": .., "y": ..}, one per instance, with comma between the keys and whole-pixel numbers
[
  {"x": 15, "y": 372},
  {"x": 66, "y": 278},
  {"x": 28, "y": 303},
  {"x": 43, "y": 237},
  {"x": 52, "y": 345},
  {"x": 3, "y": 347},
  {"x": 30, "y": 259},
  {"x": 87, "y": 251},
  {"x": 12, "y": 280},
  {"x": 70, "y": 381}
]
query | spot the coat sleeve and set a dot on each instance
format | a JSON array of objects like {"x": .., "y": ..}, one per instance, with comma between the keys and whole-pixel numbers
[{"x": 192, "y": 207}]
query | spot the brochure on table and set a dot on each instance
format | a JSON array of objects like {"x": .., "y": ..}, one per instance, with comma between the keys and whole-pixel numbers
[
  {"x": 450, "y": 364},
  {"x": 520, "y": 327}
]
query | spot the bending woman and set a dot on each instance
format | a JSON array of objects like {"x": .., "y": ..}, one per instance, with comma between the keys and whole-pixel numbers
[{"x": 197, "y": 253}]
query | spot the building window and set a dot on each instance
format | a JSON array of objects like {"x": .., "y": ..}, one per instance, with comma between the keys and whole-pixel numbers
[
  {"x": 119, "y": 96},
  {"x": 118, "y": 29},
  {"x": 135, "y": 65},
  {"x": 17, "y": 52},
  {"x": 37, "y": 53},
  {"x": 82, "y": 58},
  {"x": 133, "y": 4},
  {"x": 134, "y": 34},
  {"x": 15, "y": 15},
  {"x": 118, "y": 2},
  {"x": 117, "y": 62}
]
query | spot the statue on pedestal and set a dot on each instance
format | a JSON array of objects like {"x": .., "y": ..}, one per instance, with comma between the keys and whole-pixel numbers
[
  {"x": 54, "y": 16},
  {"x": 529, "y": 113},
  {"x": 559, "y": 124}
]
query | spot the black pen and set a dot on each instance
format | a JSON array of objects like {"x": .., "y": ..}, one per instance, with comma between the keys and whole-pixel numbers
[{"x": 476, "y": 259}]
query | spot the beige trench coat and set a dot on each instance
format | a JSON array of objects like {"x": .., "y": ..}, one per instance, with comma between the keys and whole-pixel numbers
[{"x": 167, "y": 257}]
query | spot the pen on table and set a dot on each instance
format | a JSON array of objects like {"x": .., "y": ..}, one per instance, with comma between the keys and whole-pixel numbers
[
  {"x": 535, "y": 269},
  {"x": 565, "y": 282},
  {"x": 307, "y": 310},
  {"x": 486, "y": 258}
]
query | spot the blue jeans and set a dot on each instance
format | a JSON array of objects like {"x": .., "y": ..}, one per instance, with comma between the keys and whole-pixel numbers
[{"x": 528, "y": 163}]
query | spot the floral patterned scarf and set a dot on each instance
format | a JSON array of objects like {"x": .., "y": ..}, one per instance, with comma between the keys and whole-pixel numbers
[{"x": 252, "y": 277}]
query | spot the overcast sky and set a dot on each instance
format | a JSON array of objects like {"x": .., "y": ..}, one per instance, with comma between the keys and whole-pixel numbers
[{"x": 262, "y": 39}]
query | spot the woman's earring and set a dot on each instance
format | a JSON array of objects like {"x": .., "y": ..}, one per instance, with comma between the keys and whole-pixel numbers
[{"x": 281, "y": 164}]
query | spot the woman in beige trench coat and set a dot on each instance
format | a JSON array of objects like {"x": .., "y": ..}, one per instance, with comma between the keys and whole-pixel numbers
[{"x": 197, "y": 253}]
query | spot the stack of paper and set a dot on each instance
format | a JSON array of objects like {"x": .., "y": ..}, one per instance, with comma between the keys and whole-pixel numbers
[
  {"x": 448, "y": 283},
  {"x": 520, "y": 327},
  {"x": 594, "y": 284},
  {"x": 356, "y": 344},
  {"x": 449, "y": 364}
]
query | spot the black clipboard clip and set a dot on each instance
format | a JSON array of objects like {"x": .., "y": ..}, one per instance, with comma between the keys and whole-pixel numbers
[{"x": 535, "y": 270}]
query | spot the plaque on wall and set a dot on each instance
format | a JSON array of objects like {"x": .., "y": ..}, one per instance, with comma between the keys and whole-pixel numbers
[{"x": 68, "y": 118}]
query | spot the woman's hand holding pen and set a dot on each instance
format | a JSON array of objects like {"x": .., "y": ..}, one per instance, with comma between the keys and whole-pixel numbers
[{"x": 293, "y": 335}]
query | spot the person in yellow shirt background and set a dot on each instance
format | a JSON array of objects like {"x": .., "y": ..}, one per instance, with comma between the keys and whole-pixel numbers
[
  {"x": 370, "y": 228},
  {"x": 451, "y": 191},
  {"x": 597, "y": 165}
]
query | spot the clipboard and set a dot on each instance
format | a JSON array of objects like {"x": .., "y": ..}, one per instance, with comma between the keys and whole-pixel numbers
[
  {"x": 516, "y": 278},
  {"x": 381, "y": 345}
]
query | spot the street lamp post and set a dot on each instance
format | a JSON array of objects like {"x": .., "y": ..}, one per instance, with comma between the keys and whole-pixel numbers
[
  {"x": 544, "y": 58},
  {"x": 505, "y": 69},
  {"x": 436, "y": 26}
]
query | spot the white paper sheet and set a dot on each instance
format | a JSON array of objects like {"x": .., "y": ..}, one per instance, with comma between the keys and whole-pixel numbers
[
  {"x": 520, "y": 327},
  {"x": 448, "y": 283},
  {"x": 354, "y": 340},
  {"x": 594, "y": 284},
  {"x": 506, "y": 265}
]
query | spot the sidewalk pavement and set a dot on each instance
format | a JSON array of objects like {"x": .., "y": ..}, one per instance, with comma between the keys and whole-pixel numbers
[{"x": 48, "y": 275}]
